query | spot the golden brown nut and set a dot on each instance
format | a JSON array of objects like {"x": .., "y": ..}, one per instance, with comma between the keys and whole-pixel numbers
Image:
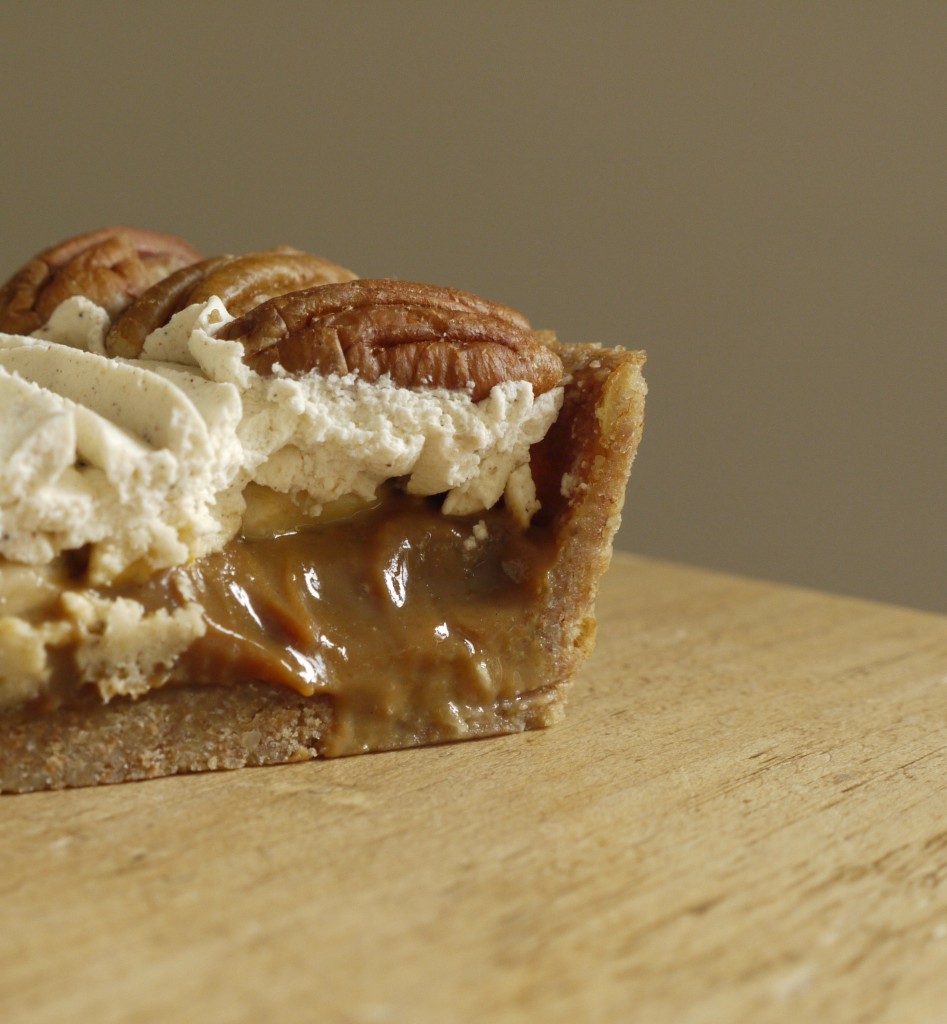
[
  {"x": 111, "y": 267},
  {"x": 155, "y": 307},
  {"x": 241, "y": 282},
  {"x": 419, "y": 334},
  {"x": 246, "y": 281}
]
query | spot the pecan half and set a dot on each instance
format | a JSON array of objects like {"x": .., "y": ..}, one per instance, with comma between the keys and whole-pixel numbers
[
  {"x": 111, "y": 267},
  {"x": 422, "y": 335},
  {"x": 155, "y": 307},
  {"x": 241, "y": 282}
]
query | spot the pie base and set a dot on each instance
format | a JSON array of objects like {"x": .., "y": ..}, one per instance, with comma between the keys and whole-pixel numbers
[
  {"x": 581, "y": 470},
  {"x": 191, "y": 729}
]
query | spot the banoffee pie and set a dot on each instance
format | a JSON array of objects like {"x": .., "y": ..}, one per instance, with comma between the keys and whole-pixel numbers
[{"x": 257, "y": 509}]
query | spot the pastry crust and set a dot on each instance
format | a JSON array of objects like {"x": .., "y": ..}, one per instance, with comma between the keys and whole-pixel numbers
[{"x": 581, "y": 469}]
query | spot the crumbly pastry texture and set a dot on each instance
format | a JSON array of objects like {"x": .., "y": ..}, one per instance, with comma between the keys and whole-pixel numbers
[{"x": 565, "y": 471}]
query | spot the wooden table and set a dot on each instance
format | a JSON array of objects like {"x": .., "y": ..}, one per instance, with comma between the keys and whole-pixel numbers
[{"x": 743, "y": 818}]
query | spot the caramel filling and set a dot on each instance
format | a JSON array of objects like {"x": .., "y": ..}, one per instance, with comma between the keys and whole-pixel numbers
[{"x": 413, "y": 623}]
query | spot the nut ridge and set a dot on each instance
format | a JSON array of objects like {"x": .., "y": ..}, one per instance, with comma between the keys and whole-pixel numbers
[
  {"x": 241, "y": 282},
  {"x": 111, "y": 267},
  {"x": 420, "y": 335}
]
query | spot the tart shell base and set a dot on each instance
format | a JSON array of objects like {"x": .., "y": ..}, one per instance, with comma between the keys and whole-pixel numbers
[{"x": 189, "y": 729}]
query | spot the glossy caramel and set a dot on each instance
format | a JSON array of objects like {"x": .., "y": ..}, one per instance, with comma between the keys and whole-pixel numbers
[{"x": 407, "y": 619}]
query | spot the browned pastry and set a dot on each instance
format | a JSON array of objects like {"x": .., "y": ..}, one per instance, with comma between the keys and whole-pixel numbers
[
  {"x": 419, "y": 634},
  {"x": 111, "y": 267}
]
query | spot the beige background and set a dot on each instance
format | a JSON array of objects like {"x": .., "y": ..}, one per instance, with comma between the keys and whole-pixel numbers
[{"x": 753, "y": 192}]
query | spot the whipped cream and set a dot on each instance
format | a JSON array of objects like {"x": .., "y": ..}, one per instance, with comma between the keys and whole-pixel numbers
[{"x": 146, "y": 460}]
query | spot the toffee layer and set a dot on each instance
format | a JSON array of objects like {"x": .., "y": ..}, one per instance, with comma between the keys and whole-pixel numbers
[{"x": 410, "y": 621}]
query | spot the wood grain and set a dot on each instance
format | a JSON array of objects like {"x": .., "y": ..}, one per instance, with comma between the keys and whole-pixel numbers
[{"x": 743, "y": 818}]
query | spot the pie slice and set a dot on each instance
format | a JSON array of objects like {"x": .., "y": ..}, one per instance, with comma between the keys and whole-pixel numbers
[{"x": 346, "y": 587}]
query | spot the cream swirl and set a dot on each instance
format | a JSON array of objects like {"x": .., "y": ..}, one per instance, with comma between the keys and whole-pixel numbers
[
  {"x": 110, "y": 453},
  {"x": 145, "y": 460}
]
